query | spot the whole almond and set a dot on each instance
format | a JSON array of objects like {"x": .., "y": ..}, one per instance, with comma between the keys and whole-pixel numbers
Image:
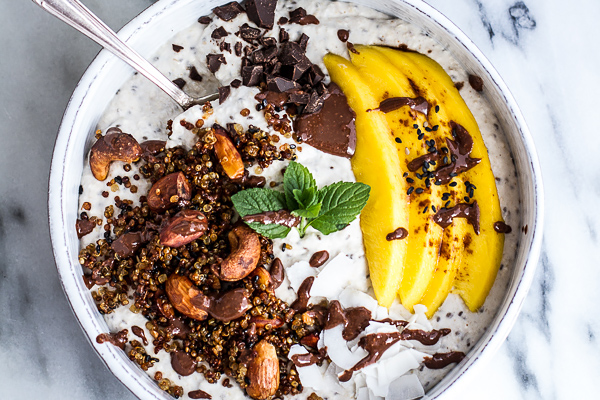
[
  {"x": 186, "y": 298},
  {"x": 168, "y": 191},
  {"x": 263, "y": 371},
  {"x": 185, "y": 227},
  {"x": 228, "y": 156}
]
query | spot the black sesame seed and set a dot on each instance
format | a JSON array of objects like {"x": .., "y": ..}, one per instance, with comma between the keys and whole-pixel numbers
[
  {"x": 106, "y": 234},
  {"x": 410, "y": 180},
  {"x": 80, "y": 189},
  {"x": 435, "y": 127},
  {"x": 419, "y": 190},
  {"x": 398, "y": 140},
  {"x": 431, "y": 150},
  {"x": 453, "y": 174},
  {"x": 445, "y": 160},
  {"x": 432, "y": 162},
  {"x": 410, "y": 190},
  {"x": 433, "y": 208},
  {"x": 259, "y": 107},
  {"x": 444, "y": 150},
  {"x": 405, "y": 174},
  {"x": 452, "y": 184},
  {"x": 420, "y": 137},
  {"x": 283, "y": 247},
  {"x": 416, "y": 126},
  {"x": 466, "y": 198},
  {"x": 437, "y": 108},
  {"x": 425, "y": 209},
  {"x": 445, "y": 196},
  {"x": 428, "y": 129},
  {"x": 419, "y": 176},
  {"x": 427, "y": 183},
  {"x": 419, "y": 132},
  {"x": 438, "y": 182},
  {"x": 447, "y": 204},
  {"x": 119, "y": 180}
]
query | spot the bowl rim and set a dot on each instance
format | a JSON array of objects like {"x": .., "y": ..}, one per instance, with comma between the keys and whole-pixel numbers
[{"x": 452, "y": 383}]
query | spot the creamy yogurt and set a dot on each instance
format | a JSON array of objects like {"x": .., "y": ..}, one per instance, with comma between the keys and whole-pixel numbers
[{"x": 142, "y": 110}]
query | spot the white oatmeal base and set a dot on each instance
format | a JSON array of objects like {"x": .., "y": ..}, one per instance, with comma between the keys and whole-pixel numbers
[{"x": 142, "y": 110}]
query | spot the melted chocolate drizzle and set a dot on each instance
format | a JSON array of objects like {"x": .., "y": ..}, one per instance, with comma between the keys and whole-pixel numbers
[
  {"x": 319, "y": 258},
  {"x": 375, "y": 344},
  {"x": 501, "y": 227},
  {"x": 427, "y": 338},
  {"x": 398, "y": 234},
  {"x": 460, "y": 148},
  {"x": 418, "y": 104},
  {"x": 445, "y": 216},
  {"x": 354, "y": 319},
  {"x": 118, "y": 339},
  {"x": 301, "y": 302},
  {"x": 277, "y": 273},
  {"x": 305, "y": 360},
  {"x": 281, "y": 217},
  {"x": 441, "y": 360},
  {"x": 139, "y": 332}
]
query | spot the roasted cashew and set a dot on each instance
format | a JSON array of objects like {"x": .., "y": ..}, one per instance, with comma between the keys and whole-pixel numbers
[
  {"x": 244, "y": 257},
  {"x": 114, "y": 146}
]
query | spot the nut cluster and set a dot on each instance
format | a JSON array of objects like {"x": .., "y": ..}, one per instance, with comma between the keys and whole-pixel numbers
[{"x": 184, "y": 258}]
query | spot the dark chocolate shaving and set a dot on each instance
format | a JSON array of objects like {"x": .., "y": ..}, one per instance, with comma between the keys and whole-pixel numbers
[
  {"x": 180, "y": 82},
  {"x": 299, "y": 16},
  {"x": 249, "y": 33},
  {"x": 501, "y": 227},
  {"x": 441, "y": 360},
  {"x": 224, "y": 92},
  {"x": 219, "y": 33},
  {"x": 214, "y": 62},
  {"x": 177, "y": 48},
  {"x": 194, "y": 75},
  {"x": 205, "y": 20},
  {"x": 84, "y": 226},
  {"x": 252, "y": 75},
  {"x": 261, "y": 12}
]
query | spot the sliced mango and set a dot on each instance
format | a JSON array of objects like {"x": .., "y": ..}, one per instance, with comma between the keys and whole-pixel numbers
[
  {"x": 482, "y": 253},
  {"x": 375, "y": 163},
  {"x": 425, "y": 236}
]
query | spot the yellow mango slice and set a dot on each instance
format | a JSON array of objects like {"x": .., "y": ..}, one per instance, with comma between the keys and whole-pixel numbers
[
  {"x": 425, "y": 236},
  {"x": 483, "y": 253},
  {"x": 376, "y": 164}
]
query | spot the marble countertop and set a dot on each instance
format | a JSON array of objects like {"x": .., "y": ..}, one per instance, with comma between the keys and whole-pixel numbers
[{"x": 547, "y": 53}]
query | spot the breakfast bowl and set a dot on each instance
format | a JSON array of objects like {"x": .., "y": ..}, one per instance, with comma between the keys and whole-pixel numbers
[{"x": 152, "y": 29}]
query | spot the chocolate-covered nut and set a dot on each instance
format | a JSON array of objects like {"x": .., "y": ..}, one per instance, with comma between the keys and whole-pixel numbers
[
  {"x": 303, "y": 41},
  {"x": 230, "y": 305},
  {"x": 185, "y": 227},
  {"x": 168, "y": 191}
]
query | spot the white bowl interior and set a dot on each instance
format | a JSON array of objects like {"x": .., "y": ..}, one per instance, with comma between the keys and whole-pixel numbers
[{"x": 154, "y": 27}]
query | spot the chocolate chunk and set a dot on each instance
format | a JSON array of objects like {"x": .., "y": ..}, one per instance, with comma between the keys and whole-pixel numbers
[
  {"x": 179, "y": 82},
  {"x": 127, "y": 244},
  {"x": 205, "y": 20},
  {"x": 252, "y": 75},
  {"x": 315, "y": 102},
  {"x": 268, "y": 41},
  {"x": 476, "y": 82},
  {"x": 501, "y": 227},
  {"x": 303, "y": 41},
  {"x": 263, "y": 55},
  {"x": 249, "y": 33},
  {"x": 228, "y": 11},
  {"x": 343, "y": 35},
  {"x": 282, "y": 21},
  {"x": 219, "y": 33},
  {"x": 277, "y": 99},
  {"x": 177, "y": 48},
  {"x": 283, "y": 36},
  {"x": 330, "y": 129},
  {"x": 299, "y": 16},
  {"x": 224, "y": 92},
  {"x": 291, "y": 53},
  {"x": 295, "y": 72},
  {"x": 280, "y": 84},
  {"x": 194, "y": 75},
  {"x": 237, "y": 48},
  {"x": 214, "y": 62},
  {"x": 298, "y": 97},
  {"x": 84, "y": 226},
  {"x": 314, "y": 75},
  {"x": 275, "y": 69},
  {"x": 224, "y": 46},
  {"x": 261, "y": 12},
  {"x": 459, "y": 85},
  {"x": 398, "y": 234},
  {"x": 236, "y": 83}
]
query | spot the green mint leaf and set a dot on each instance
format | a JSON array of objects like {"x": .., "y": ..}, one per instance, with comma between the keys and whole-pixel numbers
[
  {"x": 306, "y": 198},
  {"x": 341, "y": 202},
  {"x": 308, "y": 212},
  {"x": 296, "y": 177},
  {"x": 272, "y": 231},
  {"x": 257, "y": 200}
]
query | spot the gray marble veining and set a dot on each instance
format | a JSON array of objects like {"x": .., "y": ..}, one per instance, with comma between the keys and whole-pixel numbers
[{"x": 547, "y": 53}]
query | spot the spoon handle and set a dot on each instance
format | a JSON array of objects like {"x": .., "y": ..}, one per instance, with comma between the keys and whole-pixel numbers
[{"x": 81, "y": 18}]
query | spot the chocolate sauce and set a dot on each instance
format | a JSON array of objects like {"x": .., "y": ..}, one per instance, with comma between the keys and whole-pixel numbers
[
  {"x": 276, "y": 99},
  {"x": 182, "y": 363},
  {"x": 152, "y": 148},
  {"x": 460, "y": 150},
  {"x": 330, "y": 129},
  {"x": 118, "y": 339},
  {"x": 84, "y": 226},
  {"x": 139, "y": 332},
  {"x": 427, "y": 338},
  {"x": 127, "y": 244},
  {"x": 441, "y": 360},
  {"x": 319, "y": 258},
  {"x": 375, "y": 344},
  {"x": 418, "y": 104},
  {"x": 398, "y": 234},
  {"x": 501, "y": 227},
  {"x": 276, "y": 272},
  {"x": 230, "y": 305},
  {"x": 354, "y": 319},
  {"x": 476, "y": 82},
  {"x": 178, "y": 328},
  {"x": 305, "y": 360},
  {"x": 301, "y": 302},
  {"x": 199, "y": 394},
  {"x": 392, "y": 322},
  {"x": 445, "y": 216},
  {"x": 281, "y": 217},
  {"x": 418, "y": 162}
]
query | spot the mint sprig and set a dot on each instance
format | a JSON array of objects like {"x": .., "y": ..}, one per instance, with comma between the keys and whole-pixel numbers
[{"x": 328, "y": 209}]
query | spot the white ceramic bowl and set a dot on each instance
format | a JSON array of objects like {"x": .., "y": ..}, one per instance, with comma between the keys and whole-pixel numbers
[{"x": 154, "y": 27}]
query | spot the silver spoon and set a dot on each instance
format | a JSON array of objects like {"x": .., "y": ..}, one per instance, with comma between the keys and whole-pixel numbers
[{"x": 81, "y": 18}]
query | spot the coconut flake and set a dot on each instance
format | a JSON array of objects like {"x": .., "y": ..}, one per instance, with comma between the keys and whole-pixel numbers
[
  {"x": 350, "y": 297},
  {"x": 407, "y": 387},
  {"x": 338, "y": 274},
  {"x": 338, "y": 351}
]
